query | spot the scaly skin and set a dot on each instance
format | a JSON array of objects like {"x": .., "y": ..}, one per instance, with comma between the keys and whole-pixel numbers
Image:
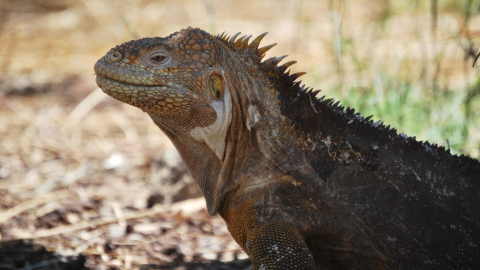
[{"x": 301, "y": 183}]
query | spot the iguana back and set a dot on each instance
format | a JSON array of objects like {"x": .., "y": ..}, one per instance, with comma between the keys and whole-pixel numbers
[{"x": 302, "y": 183}]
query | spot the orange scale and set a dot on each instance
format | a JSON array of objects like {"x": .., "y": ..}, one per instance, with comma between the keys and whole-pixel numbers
[{"x": 196, "y": 47}]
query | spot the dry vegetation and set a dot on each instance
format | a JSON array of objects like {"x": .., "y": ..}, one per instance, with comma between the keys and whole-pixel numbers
[{"x": 78, "y": 169}]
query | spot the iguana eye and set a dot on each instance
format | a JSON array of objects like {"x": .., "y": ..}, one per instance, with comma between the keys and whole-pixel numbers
[
  {"x": 158, "y": 58},
  {"x": 216, "y": 87}
]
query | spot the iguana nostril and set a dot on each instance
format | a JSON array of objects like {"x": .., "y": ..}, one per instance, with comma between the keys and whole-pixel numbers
[{"x": 116, "y": 56}]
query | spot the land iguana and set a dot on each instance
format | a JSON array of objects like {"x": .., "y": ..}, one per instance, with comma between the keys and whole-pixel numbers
[{"x": 301, "y": 182}]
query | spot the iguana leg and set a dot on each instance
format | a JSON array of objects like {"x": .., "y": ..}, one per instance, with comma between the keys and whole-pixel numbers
[{"x": 278, "y": 246}]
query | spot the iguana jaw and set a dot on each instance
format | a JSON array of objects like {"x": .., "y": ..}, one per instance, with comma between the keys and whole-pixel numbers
[{"x": 158, "y": 98}]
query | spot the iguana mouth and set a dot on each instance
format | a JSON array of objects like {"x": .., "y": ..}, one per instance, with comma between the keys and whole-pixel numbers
[
  {"x": 159, "y": 98},
  {"x": 107, "y": 81},
  {"x": 119, "y": 74}
]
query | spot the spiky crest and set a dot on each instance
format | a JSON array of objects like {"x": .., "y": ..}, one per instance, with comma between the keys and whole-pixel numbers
[
  {"x": 303, "y": 97},
  {"x": 232, "y": 40}
]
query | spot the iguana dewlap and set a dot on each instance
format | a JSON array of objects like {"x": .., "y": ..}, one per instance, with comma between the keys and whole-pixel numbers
[{"x": 302, "y": 183}]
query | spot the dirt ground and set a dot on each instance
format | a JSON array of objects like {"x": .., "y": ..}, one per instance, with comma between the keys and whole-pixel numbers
[{"x": 88, "y": 180}]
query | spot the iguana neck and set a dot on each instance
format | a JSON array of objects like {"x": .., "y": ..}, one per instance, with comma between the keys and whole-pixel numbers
[{"x": 260, "y": 136}]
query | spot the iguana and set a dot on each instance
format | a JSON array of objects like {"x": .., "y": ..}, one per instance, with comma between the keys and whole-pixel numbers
[{"x": 301, "y": 182}]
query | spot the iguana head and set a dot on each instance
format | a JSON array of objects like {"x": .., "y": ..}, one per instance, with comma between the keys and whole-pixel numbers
[{"x": 205, "y": 92}]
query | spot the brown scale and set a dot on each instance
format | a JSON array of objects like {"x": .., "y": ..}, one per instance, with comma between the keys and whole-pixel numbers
[{"x": 270, "y": 245}]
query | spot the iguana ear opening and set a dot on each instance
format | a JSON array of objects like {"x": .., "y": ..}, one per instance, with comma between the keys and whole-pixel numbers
[{"x": 217, "y": 86}]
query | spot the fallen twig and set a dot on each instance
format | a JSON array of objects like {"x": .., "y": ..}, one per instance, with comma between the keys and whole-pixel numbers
[
  {"x": 85, "y": 106},
  {"x": 52, "y": 196}
]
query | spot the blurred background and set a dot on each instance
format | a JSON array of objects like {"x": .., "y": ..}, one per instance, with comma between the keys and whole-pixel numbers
[{"x": 70, "y": 155}]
